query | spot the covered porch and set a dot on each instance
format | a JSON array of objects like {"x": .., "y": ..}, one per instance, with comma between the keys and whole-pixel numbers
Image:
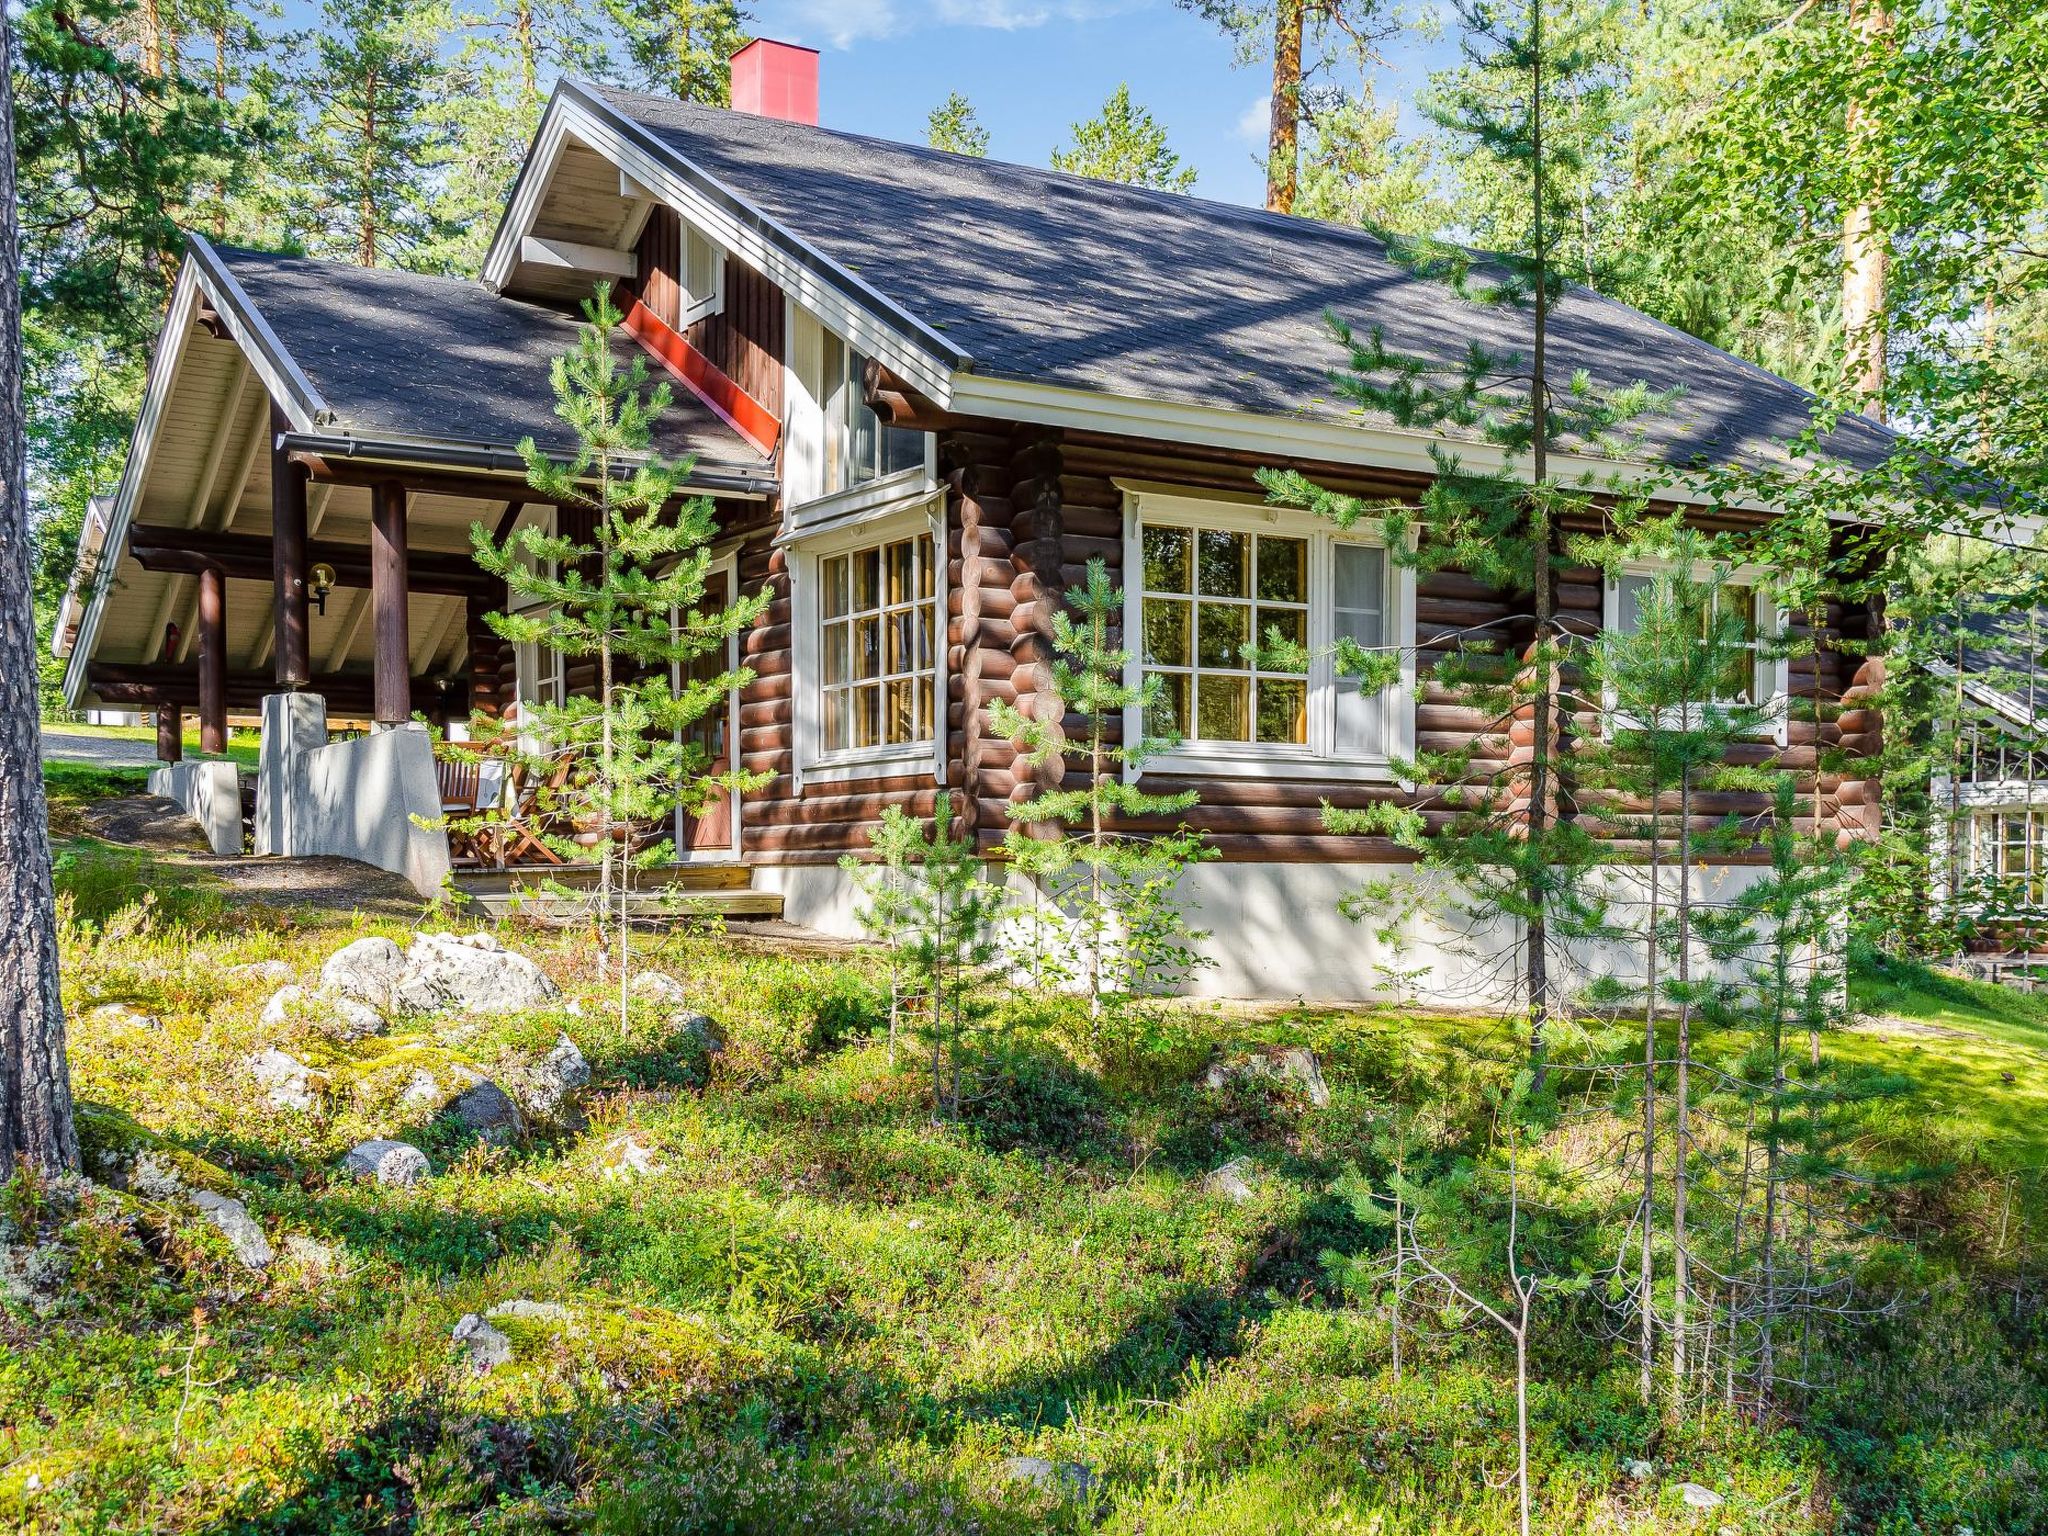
[{"x": 280, "y": 552}]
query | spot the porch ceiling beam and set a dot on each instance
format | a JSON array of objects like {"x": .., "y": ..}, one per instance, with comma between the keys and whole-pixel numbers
[
  {"x": 247, "y": 557},
  {"x": 231, "y": 508},
  {"x": 573, "y": 256},
  {"x": 329, "y": 470},
  {"x": 202, "y": 494},
  {"x": 243, "y": 688}
]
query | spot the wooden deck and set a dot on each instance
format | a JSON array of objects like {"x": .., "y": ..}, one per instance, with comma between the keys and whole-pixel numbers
[{"x": 678, "y": 893}]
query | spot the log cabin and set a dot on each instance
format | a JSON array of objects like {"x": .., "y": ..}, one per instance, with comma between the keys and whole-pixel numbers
[{"x": 924, "y": 390}]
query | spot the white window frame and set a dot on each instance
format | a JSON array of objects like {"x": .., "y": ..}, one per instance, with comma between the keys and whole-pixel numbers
[
  {"x": 805, "y": 554},
  {"x": 695, "y": 306},
  {"x": 1772, "y": 675},
  {"x": 1315, "y": 759},
  {"x": 811, "y": 503}
]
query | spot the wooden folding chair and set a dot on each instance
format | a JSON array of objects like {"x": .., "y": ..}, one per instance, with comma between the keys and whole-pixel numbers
[{"x": 459, "y": 781}]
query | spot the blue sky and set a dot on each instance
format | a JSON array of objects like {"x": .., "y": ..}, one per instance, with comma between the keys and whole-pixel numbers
[{"x": 1033, "y": 67}]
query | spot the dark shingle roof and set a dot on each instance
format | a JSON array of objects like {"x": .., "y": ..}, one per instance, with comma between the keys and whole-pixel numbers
[
  {"x": 2002, "y": 658},
  {"x": 1059, "y": 279},
  {"x": 401, "y": 355}
]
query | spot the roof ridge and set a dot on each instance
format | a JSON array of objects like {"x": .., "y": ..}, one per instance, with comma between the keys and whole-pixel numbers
[{"x": 1281, "y": 225}]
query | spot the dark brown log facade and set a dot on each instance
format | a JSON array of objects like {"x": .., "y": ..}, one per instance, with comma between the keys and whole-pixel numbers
[{"x": 1028, "y": 507}]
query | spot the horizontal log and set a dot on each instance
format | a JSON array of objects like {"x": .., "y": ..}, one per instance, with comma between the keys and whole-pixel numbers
[{"x": 246, "y": 557}]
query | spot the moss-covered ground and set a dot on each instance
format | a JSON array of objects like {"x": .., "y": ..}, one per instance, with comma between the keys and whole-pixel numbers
[{"x": 793, "y": 1302}]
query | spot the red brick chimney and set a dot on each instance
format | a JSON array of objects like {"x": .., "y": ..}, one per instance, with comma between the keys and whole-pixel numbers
[{"x": 771, "y": 79}]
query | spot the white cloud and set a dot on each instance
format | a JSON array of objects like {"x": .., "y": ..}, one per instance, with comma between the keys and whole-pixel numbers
[
  {"x": 1256, "y": 121},
  {"x": 836, "y": 23}
]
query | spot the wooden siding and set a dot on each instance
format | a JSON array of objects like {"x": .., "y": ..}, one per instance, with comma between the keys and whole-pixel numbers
[{"x": 744, "y": 339}]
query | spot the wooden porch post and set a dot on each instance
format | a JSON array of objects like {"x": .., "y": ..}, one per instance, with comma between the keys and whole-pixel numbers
[
  {"x": 213, "y": 660},
  {"x": 288, "y": 560},
  {"x": 388, "y": 594},
  {"x": 170, "y": 732}
]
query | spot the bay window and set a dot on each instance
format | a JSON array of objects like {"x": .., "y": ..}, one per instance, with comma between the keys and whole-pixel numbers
[
  {"x": 1240, "y": 611},
  {"x": 875, "y": 646}
]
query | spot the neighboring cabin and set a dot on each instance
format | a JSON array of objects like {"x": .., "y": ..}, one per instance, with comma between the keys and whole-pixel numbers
[{"x": 925, "y": 390}]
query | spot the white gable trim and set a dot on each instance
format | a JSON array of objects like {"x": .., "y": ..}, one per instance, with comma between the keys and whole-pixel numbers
[
  {"x": 156, "y": 394},
  {"x": 841, "y": 299}
]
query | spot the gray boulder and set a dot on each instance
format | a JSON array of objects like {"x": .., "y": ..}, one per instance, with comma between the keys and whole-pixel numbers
[
  {"x": 1233, "y": 1181},
  {"x": 1638, "y": 1470},
  {"x": 241, "y": 1230},
  {"x": 1697, "y": 1497},
  {"x": 625, "y": 1158},
  {"x": 284, "y": 1002},
  {"x": 1070, "y": 1478},
  {"x": 489, "y": 1111},
  {"x": 287, "y": 1082},
  {"x": 486, "y": 1347},
  {"x": 472, "y": 972},
  {"x": 667, "y": 994},
  {"x": 550, "y": 1088},
  {"x": 343, "y": 1017},
  {"x": 367, "y": 971},
  {"x": 396, "y": 1163},
  {"x": 1292, "y": 1068}
]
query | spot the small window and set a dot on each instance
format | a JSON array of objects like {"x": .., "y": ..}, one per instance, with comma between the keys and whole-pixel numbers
[
  {"x": 702, "y": 279},
  {"x": 876, "y": 658},
  {"x": 1743, "y": 682},
  {"x": 2011, "y": 848},
  {"x": 859, "y": 446}
]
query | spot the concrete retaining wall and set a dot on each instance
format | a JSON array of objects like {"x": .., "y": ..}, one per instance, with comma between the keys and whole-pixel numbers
[
  {"x": 353, "y": 799},
  {"x": 211, "y": 794}
]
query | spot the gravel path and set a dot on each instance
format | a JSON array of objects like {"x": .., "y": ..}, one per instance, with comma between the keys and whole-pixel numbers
[{"x": 68, "y": 746}]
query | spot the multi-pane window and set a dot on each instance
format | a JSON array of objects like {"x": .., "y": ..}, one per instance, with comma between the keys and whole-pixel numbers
[
  {"x": 1226, "y": 628},
  {"x": 859, "y": 446},
  {"x": 1247, "y": 631},
  {"x": 875, "y": 616},
  {"x": 2011, "y": 846},
  {"x": 1738, "y": 684}
]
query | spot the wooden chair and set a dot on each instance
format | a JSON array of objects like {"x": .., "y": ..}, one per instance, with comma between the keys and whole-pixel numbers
[
  {"x": 519, "y": 834},
  {"x": 459, "y": 781}
]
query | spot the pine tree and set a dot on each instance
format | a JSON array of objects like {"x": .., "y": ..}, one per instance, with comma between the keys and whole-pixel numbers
[
  {"x": 1113, "y": 893},
  {"x": 938, "y": 915},
  {"x": 1675, "y": 686},
  {"x": 953, "y": 126},
  {"x": 372, "y": 151},
  {"x": 1506, "y": 847},
  {"x": 488, "y": 107},
  {"x": 1304, "y": 39},
  {"x": 680, "y": 48},
  {"x": 1123, "y": 143},
  {"x": 36, "y": 1129},
  {"x": 631, "y": 598}
]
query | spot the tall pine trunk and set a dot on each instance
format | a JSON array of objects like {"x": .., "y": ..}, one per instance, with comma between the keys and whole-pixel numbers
[
  {"x": 1681, "y": 1114},
  {"x": 1866, "y": 253},
  {"x": 36, "y": 1130},
  {"x": 1283, "y": 136}
]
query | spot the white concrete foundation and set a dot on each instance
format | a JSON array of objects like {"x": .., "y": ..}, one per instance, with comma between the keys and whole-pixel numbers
[
  {"x": 1275, "y": 931},
  {"x": 211, "y": 794}
]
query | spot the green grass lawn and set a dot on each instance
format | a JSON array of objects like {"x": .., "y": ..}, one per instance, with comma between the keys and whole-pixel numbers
[
  {"x": 244, "y": 746},
  {"x": 779, "y": 1297}
]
